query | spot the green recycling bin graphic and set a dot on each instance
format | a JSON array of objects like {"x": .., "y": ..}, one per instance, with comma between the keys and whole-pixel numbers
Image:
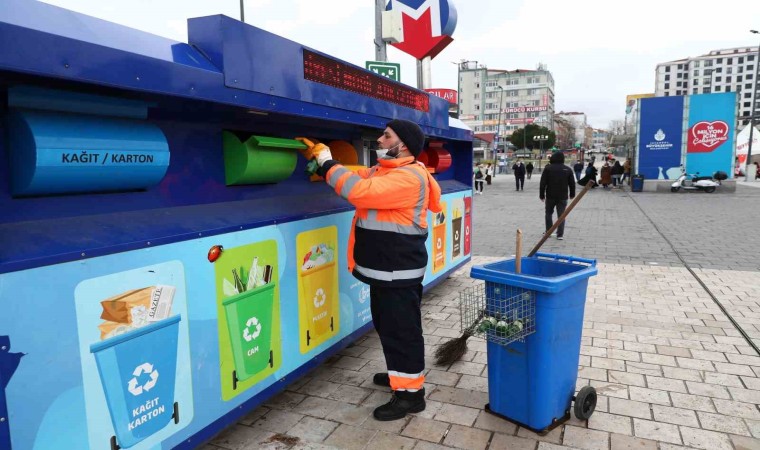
[
  {"x": 249, "y": 321},
  {"x": 248, "y": 314},
  {"x": 138, "y": 372}
]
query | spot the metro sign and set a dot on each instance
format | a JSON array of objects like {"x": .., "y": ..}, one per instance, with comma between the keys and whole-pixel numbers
[{"x": 427, "y": 26}]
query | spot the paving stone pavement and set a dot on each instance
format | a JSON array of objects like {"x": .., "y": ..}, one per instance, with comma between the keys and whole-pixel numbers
[{"x": 671, "y": 370}]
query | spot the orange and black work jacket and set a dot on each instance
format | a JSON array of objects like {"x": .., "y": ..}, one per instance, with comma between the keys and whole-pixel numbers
[{"x": 387, "y": 242}]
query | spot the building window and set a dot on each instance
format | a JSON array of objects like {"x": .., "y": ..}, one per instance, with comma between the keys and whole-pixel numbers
[
  {"x": 706, "y": 81},
  {"x": 678, "y": 84},
  {"x": 667, "y": 77},
  {"x": 477, "y": 85},
  {"x": 696, "y": 63},
  {"x": 749, "y": 68},
  {"x": 477, "y": 107},
  {"x": 513, "y": 93},
  {"x": 667, "y": 69},
  {"x": 512, "y": 116},
  {"x": 719, "y": 60},
  {"x": 706, "y": 90},
  {"x": 667, "y": 94},
  {"x": 680, "y": 66},
  {"x": 717, "y": 88},
  {"x": 748, "y": 95},
  {"x": 728, "y": 79},
  {"x": 513, "y": 81},
  {"x": 694, "y": 91},
  {"x": 667, "y": 85},
  {"x": 747, "y": 104},
  {"x": 729, "y": 70},
  {"x": 532, "y": 91},
  {"x": 738, "y": 78},
  {"x": 741, "y": 60},
  {"x": 708, "y": 63},
  {"x": 749, "y": 76},
  {"x": 750, "y": 58},
  {"x": 748, "y": 85},
  {"x": 717, "y": 79},
  {"x": 696, "y": 73}
]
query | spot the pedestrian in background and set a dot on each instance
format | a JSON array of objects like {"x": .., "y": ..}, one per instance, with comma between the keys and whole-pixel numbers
[
  {"x": 529, "y": 169},
  {"x": 626, "y": 171},
  {"x": 605, "y": 178},
  {"x": 477, "y": 174},
  {"x": 556, "y": 182},
  {"x": 519, "y": 170},
  {"x": 578, "y": 169},
  {"x": 489, "y": 173},
  {"x": 617, "y": 174}
]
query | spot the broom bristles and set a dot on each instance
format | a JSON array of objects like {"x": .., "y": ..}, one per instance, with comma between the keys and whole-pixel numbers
[{"x": 451, "y": 351}]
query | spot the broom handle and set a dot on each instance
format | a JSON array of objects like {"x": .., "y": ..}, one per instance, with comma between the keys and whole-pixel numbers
[
  {"x": 561, "y": 218},
  {"x": 518, "y": 252}
]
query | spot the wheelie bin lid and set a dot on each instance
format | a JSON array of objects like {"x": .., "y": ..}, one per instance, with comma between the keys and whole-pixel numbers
[{"x": 543, "y": 272}]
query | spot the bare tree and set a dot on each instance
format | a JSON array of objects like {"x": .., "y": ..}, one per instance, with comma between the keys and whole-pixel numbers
[{"x": 616, "y": 127}]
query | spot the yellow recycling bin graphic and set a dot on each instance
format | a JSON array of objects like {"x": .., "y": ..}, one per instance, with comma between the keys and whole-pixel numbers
[{"x": 318, "y": 296}]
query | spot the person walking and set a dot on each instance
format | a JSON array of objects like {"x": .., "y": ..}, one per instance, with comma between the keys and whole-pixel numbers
[
  {"x": 386, "y": 250},
  {"x": 519, "y": 170},
  {"x": 529, "y": 169},
  {"x": 617, "y": 173},
  {"x": 477, "y": 175},
  {"x": 605, "y": 177},
  {"x": 556, "y": 181},
  {"x": 578, "y": 169},
  {"x": 626, "y": 171},
  {"x": 489, "y": 173}
]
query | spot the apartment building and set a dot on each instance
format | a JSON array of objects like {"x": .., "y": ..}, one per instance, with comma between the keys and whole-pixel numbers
[
  {"x": 726, "y": 70},
  {"x": 521, "y": 96},
  {"x": 579, "y": 123}
]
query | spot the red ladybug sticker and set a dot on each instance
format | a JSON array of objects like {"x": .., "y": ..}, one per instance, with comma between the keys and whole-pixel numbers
[{"x": 215, "y": 252}]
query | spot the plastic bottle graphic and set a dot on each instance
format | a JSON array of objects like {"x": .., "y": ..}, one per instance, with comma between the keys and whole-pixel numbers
[
  {"x": 249, "y": 321},
  {"x": 138, "y": 372}
]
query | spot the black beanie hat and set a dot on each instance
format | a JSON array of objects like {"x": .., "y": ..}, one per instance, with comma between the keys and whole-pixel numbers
[
  {"x": 410, "y": 134},
  {"x": 557, "y": 158}
]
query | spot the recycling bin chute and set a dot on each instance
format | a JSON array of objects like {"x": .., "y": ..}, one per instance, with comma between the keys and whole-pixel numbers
[
  {"x": 249, "y": 321},
  {"x": 320, "y": 291},
  {"x": 138, "y": 373},
  {"x": 533, "y": 323}
]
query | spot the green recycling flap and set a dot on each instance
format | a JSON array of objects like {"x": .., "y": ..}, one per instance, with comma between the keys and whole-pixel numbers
[{"x": 259, "y": 160}]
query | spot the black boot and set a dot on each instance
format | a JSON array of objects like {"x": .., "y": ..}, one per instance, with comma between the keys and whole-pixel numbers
[
  {"x": 382, "y": 379},
  {"x": 401, "y": 404}
]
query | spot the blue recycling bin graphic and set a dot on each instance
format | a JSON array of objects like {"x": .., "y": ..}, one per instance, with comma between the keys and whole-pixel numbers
[{"x": 138, "y": 371}]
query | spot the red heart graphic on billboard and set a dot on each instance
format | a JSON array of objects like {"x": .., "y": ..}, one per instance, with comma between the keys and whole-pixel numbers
[{"x": 705, "y": 137}]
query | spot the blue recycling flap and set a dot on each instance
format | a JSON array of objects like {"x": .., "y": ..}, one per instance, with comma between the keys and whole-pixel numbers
[{"x": 57, "y": 153}]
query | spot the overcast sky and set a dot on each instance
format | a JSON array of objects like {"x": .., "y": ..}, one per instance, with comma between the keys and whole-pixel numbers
[{"x": 598, "y": 51}]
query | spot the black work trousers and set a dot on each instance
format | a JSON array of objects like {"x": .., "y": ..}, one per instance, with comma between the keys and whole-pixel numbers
[
  {"x": 551, "y": 205},
  {"x": 398, "y": 321}
]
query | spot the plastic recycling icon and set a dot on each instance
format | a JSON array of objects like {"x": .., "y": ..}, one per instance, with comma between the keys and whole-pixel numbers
[
  {"x": 252, "y": 324},
  {"x": 145, "y": 368},
  {"x": 319, "y": 298},
  {"x": 439, "y": 243}
]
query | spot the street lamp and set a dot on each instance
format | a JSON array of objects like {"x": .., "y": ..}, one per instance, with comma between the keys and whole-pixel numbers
[
  {"x": 755, "y": 101},
  {"x": 541, "y": 138}
]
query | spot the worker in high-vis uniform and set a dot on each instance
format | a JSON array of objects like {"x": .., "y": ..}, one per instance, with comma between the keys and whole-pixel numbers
[{"x": 387, "y": 250}]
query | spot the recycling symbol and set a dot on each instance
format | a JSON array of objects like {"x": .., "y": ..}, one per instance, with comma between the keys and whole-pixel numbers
[
  {"x": 251, "y": 324},
  {"x": 145, "y": 368},
  {"x": 438, "y": 243},
  {"x": 456, "y": 235},
  {"x": 466, "y": 231},
  {"x": 319, "y": 298}
]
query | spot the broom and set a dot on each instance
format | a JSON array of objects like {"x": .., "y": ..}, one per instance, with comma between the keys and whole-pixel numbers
[{"x": 451, "y": 351}]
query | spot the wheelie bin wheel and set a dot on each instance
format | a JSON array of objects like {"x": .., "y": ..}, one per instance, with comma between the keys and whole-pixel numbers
[
  {"x": 674, "y": 189},
  {"x": 585, "y": 403}
]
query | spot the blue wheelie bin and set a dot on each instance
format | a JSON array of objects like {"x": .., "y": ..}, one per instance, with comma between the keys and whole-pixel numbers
[
  {"x": 533, "y": 323},
  {"x": 637, "y": 183}
]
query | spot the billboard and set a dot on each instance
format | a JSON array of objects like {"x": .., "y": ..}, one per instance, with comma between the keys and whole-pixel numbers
[
  {"x": 660, "y": 131},
  {"x": 710, "y": 138}
]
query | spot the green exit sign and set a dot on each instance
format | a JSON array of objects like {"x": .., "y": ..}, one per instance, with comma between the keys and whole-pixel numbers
[{"x": 386, "y": 69}]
